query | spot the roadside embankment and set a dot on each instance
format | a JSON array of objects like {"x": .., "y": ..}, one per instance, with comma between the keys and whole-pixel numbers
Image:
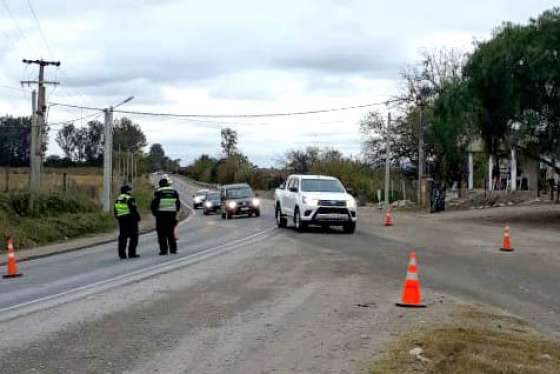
[
  {"x": 473, "y": 341},
  {"x": 58, "y": 217}
]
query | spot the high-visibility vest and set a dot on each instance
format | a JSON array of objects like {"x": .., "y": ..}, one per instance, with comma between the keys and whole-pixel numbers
[
  {"x": 168, "y": 200},
  {"x": 121, "y": 205}
]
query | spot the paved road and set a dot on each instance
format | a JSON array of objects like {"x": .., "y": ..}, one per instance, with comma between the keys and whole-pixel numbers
[
  {"x": 75, "y": 274},
  {"x": 270, "y": 299}
]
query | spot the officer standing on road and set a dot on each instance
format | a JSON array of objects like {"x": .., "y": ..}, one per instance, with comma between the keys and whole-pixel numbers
[
  {"x": 127, "y": 214},
  {"x": 165, "y": 205}
]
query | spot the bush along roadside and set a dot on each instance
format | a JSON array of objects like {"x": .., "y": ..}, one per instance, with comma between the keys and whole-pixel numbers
[{"x": 54, "y": 217}]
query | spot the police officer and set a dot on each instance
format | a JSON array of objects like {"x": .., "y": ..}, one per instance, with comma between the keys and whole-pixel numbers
[
  {"x": 127, "y": 214},
  {"x": 165, "y": 206}
]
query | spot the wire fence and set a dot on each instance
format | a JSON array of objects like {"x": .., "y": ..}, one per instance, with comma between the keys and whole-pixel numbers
[{"x": 84, "y": 181}]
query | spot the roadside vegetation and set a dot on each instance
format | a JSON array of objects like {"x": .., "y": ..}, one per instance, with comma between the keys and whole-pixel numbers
[
  {"x": 476, "y": 342},
  {"x": 234, "y": 167},
  {"x": 58, "y": 216},
  {"x": 55, "y": 217},
  {"x": 67, "y": 204}
]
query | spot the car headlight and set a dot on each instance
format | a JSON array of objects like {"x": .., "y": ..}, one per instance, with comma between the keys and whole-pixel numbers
[
  {"x": 197, "y": 199},
  {"x": 232, "y": 204},
  {"x": 351, "y": 203},
  {"x": 208, "y": 204},
  {"x": 310, "y": 202},
  {"x": 256, "y": 202}
]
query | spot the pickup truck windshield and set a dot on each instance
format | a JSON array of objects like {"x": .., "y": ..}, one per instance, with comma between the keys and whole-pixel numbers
[
  {"x": 239, "y": 193},
  {"x": 213, "y": 196},
  {"x": 321, "y": 185}
]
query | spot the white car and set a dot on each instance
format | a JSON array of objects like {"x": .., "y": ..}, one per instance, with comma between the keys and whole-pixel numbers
[{"x": 315, "y": 200}]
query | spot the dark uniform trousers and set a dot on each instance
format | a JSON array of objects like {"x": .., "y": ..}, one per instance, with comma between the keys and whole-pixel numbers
[
  {"x": 165, "y": 227},
  {"x": 128, "y": 231}
]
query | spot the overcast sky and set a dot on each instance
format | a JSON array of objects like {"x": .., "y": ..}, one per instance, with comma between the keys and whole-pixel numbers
[{"x": 244, "y": 56}]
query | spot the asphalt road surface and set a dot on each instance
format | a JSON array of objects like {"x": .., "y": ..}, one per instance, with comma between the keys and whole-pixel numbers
[
  {"x": 242, "y": 296},
  {"x": 72, "y": 275}
]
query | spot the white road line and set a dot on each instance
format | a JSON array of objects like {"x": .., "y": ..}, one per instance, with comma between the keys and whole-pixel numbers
[{"x": 120, "y": 280}]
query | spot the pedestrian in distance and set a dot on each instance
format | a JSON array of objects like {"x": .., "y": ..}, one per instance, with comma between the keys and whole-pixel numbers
[
  {"x": 126, "y": 212},
  {"x": 165, "y": 206}
]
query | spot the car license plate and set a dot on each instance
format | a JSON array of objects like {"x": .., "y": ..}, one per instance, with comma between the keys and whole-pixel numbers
[{"x": 244, "y": 209}]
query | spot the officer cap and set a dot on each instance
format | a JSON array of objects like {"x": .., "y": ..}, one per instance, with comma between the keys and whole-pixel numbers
[
  {"x": 126, "y": 188},
  {"x": 163, "y": 182}
]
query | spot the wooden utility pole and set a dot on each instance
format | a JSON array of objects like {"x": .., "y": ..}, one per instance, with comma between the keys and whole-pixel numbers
[{"x": 39, "y": 106}]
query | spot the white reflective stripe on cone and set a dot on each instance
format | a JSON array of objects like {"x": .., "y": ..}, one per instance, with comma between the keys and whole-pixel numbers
[{"x": 412, "y": 276}]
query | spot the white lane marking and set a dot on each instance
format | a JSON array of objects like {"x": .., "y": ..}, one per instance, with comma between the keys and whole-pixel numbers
[{"x": 137, "y": 275}]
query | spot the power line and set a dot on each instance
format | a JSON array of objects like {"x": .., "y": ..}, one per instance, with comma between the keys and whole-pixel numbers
[
  {"x": 253, "y": 115},
  {"x": 39, "y": 27},
  {"x": 66, "y": 122},
  {"x": 7, "y": 7}
]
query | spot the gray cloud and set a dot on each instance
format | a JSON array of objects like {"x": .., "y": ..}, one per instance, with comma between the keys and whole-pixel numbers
[{"x": 242, "y": 56}]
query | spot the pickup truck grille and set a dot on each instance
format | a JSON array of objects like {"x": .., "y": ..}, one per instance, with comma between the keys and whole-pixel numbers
[
  {"x": 325, "y": 210},
  {"x": 332, "y": 203}
]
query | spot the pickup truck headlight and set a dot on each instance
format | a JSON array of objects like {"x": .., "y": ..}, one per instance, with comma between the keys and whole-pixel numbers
[
  {"x": 232, "y": 204},
  {"x": 351, "y": 203},
  {"x": 256, "y": 202},
  {"x": 208, "y": 204},
  {"x": 197, "y": 199},
  {"x": 309, "y": 201}
]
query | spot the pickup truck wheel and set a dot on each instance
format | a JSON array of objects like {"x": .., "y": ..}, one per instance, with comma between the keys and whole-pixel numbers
[
  {"x": 349, "y": 228},
  {"x": 223, "y": 216},
  {"x": 300, "y": 226},
  {"x": 281, "y": 221},
  {"x": 257, "y": 213}
]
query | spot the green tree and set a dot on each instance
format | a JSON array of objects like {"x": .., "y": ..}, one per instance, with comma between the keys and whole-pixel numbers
[
  {"x": 15, "y": 140},
  {"x": 229, "y": 142},
  {"x": 156, "y": 157},
  {"x": 127, "y": 136}
]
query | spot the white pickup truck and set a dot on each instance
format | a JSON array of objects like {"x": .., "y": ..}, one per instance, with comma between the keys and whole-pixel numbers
[{"x": 315, "y": 200}]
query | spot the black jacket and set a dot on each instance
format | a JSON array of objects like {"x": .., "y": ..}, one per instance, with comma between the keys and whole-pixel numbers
[
  {"x": 165, "y": 193},
  {"x": 134, "y": 214}
]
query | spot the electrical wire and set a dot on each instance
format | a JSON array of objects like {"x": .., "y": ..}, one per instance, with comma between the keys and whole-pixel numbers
[
  {"x": 39, "y": 27},
  {"x": 7, "y": 7},
  {"x": 253, "y": 115}
]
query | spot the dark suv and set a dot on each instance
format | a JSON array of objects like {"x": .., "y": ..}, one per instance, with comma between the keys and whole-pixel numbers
[{"x": 237, "y": 199}]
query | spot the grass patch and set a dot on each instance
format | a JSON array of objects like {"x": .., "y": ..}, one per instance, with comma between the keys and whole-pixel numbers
[
  {"x": 477, "y": 343},
  {"x": 54, "y": 217}
]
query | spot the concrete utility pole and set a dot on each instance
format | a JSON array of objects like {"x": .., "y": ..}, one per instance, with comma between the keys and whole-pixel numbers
[
  {"x": 108, "y": 155},
  {"x": 387, "y": 160},
  {"x": 107, "y": 159},
  {"x": 35, "y": 148},
  {"x": 420, "y": 156},
  {"x": 38, "y": 120}
]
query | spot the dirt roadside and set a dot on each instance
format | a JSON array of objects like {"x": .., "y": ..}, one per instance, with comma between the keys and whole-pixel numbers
[{"x": 535, "y": 229}]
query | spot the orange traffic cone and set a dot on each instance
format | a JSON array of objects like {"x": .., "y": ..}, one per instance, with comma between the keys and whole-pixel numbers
[
  {"x": 12, "y": 267},
  {"x": 506, "y": 246},
  {"x": 389, "y": 217},
  {"x": 411, "y": 291}
]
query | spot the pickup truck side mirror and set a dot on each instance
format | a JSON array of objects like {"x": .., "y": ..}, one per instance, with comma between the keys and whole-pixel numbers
[
  {"x": 282, "y": 186},
  {"x": 293, "y": 189},
  {"x": 349, "y": 190}
]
